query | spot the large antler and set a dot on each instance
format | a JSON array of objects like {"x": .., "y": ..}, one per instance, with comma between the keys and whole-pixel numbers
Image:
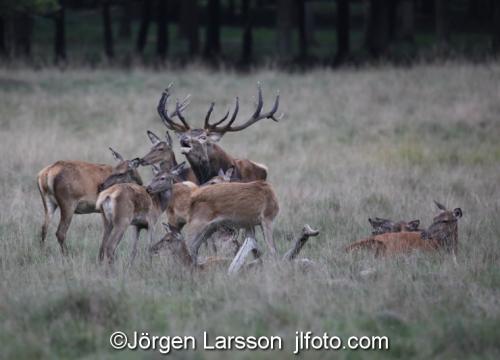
[
  {"x": 256, "y": 116},
  {"x": 179, "y": 107}
]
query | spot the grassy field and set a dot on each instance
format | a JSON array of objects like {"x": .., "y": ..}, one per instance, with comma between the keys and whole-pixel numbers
[{"x": 354, "y": 144}]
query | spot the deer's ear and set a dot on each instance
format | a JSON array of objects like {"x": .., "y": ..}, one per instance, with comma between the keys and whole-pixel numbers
[
  {"x": 167, "y": 227},
  {"x": 440, "y": 206},
  {"x": 116, "y": 155},
  {"x": 458, "y": 213},
  {"x": 228, "y": 174},
  {"x": 168, "y": 139},
  {"x": 153, "y": 137},
  {"x": 156, "y": 169},
  {"x": 215, "y": 136},
  {"x": 221, "y": 173}
]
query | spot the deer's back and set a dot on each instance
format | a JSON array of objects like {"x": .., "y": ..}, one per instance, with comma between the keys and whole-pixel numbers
[
  {"x": 404, "y": 242},
  {"x": 250, "y": 171},
  {"x": 73, "y": 179},
  {"x": 241, "y": 202}
]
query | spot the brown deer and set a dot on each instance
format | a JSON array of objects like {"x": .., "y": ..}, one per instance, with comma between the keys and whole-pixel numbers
[
  {"x": 162, "y": 155},
  {"x": 442, "y": 234},
  {"x": 200, "y": 146},
  {"x": 123, "y": 205},
  {"x": 382, "y": 226},
  {"x": 73, "y": 186},
  {"x": 237, "y": 205}
]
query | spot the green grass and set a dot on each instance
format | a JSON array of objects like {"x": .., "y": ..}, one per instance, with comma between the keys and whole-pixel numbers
[{"x": 354, "y": 144}]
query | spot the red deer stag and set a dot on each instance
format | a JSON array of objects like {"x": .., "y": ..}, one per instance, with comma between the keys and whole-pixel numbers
[
  {"x": 73, "y": 186},
  {"x": 442, "y": 234},
  {"x": 199, "y": 145},
  {"x": 122, "y": 205}
]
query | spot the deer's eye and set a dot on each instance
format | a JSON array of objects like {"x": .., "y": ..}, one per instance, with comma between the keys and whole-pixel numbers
[{"x": 203, "y": 137}]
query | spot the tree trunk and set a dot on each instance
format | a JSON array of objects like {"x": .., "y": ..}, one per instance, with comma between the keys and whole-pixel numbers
[
  {"x": 108, "y": 31},
  {"x": 60, "y": 36},
  {"x": 406, "y": 14},
  {"x": 3, "y": 40},
  {"x": 144, "y": 26},
  {"x": 343, "y": 31},
  {"x": 212, "y": 42},
  {"x": 284, "y": 31},
  {"x": 247, "y": 50},
  {"x": 377, "y": 31},
  {"x": 188, "y": 25},
  {"x": 301, "y": 21},
  {"x": 23, "y": 29},
  {"x": 162, "y": 36},
  {"x": 495, "y": 31},
  {"x": 125, "y": 29},
  {"x": 442, "y": 22}
]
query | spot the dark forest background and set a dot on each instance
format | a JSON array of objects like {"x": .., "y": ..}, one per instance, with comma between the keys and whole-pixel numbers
[{"x": 246, "y": 32}]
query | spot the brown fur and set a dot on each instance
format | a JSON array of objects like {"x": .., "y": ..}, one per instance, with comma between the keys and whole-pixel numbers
[
  {"x": 71, "y": 186},
  {"x": 242, "y": 205},
  {"x": 442, "y": 234}
]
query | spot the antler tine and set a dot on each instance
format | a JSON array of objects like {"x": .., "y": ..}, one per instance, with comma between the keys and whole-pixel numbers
[
  {"x": 178, "y": 111},
  {"x": 256, "y": 116},
  {"x": 168, "y": 118},
  {"x": 207, "y": 117}
]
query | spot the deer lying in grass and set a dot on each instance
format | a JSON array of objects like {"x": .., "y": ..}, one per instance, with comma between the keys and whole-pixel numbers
[
  {"x": 176, "y": 244},
  {"x": 73, "y": 186},
  {"x": 382, "y": 226},
  {"x": 162, "y": 155},
  {"x": 123, "y": 205},
  {"x": 442, "y": 234},
  {"x": 200, "y": 145}
]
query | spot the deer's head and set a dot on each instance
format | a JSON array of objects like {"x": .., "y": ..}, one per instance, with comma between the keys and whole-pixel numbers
[
  {"x": 444, "y": 227},
  {"x": 161, "y": 151},
  {"x": 196, "y": 142},
  {"x": 172, "y": 240},
  {"x": 163, "y": 179},
  {"x": 382, "y": 226},
  {"x": 124, "y": 172}
]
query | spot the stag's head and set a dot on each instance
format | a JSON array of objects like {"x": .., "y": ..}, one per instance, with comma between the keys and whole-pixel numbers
[
  {"x": 172, "y": 240},
  {"x": 161, "y": 152},
  {"x": 195, "y": 142},
  {"x": 444, "y": 228},
  {"x": 164, "y": 179},
  {"x": 124, "y": 172},
  {"x": 382, "y": 226}
]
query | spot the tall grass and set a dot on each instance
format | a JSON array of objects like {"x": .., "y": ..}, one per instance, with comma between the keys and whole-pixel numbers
[{"x": 354, "y": 144}]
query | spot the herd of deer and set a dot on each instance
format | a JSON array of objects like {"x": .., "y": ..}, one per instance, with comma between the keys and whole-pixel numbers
[{"x": 214, "y": 197}]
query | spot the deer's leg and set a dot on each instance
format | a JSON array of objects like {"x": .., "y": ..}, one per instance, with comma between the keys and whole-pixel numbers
[
  {"x": 267, "y": 229},
  {"x": 114, "y": 239},
  {"x": 67, "y": 211},
  {"x": 105, "y": 236},
  {"x": 49, "y": 208},
  {"x": 134, "y": 247}
]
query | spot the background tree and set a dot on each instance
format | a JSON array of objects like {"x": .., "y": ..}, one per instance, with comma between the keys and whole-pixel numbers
[
  {"x": 301, "y": 22},
  {"x": 284, "y": 14},
  {"x": 247, "y": 43},
  {"x": 442, "y": 21},
  {"x": 162, "y": 36},
  {"x": 142, "y": 35},
  {"x": 107, "y": 29},
  {"x": 378, "y": 28},
  {"x": 188, "y": 24},
  {"x": 212, "y": 41},
  {"x": 125, "y": 27},
  {"x": 343, "y": 30},
  {"x": 60, "y": 34}
]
